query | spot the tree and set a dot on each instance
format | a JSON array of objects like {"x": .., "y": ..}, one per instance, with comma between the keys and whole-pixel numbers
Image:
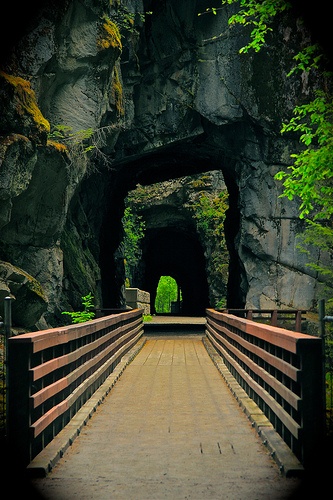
[
  {"x": 167, "y": 292},
  {"x": 87, "y": 313}
]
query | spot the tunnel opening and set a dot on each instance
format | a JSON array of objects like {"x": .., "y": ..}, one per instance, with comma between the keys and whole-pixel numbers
[
  {"x": 170, "y": 252},
  {"x": 170, "y": 249},
  {"x": 168, "y": 299}
]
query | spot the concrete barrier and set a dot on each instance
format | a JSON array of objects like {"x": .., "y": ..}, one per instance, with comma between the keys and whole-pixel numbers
[{"x": 138, "y": 299}]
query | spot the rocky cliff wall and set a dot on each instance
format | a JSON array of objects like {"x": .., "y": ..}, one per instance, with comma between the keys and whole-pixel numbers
[
  {"x": 187, "y": 208},
  {"x": 160, "y": 95}
]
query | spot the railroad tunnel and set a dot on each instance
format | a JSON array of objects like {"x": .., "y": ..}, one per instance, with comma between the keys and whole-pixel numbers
[
  {"x": 171, "y": 247},
  {"x": 172, "y": 252}
]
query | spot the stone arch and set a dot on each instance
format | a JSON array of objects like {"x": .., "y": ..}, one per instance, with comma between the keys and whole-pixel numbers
[{"x": 172, "y": 245}]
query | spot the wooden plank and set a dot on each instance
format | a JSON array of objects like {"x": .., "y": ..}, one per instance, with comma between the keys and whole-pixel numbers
[
  {"x": 48, "y": 418},
  {"x": 94, "y": 376},
  {"x": 278, "y": 363},
  {"x": 53, "y": 364},
  {"x": 45, "y": 339},
  {"x": 43, "y": 422},
  {"x": 279, "y": 337},
  {"x": 293, "y": 427},
  {"x": 47, "y": 392},
  {"x": 75, "y": 374},
  {"x": 278, "y": 386}
]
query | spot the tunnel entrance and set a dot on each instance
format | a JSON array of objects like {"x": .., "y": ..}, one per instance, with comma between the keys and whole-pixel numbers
[
  {"x": 170, "y": 252},
  {"x": 172, "y": 245},
  {"x": 168, "y": 298}
]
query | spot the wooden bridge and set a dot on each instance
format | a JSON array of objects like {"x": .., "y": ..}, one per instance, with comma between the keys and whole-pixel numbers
[{"x": 58, "y": 379}]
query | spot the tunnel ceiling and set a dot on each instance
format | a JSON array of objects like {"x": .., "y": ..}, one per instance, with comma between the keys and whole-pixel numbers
[{"x": 218, "y": 148}]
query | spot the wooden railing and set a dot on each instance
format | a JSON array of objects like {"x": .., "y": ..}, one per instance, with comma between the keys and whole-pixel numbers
[
  {"x": 281, "y": 371},
  {"x": 53, "y": 373},
  {"x": 272, "y": 316}
]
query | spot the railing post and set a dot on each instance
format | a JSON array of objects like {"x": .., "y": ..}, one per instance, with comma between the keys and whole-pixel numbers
[
  {"x": 321, "y": 310},
  {"x": 298, "y": 321},
  {"x": 7, "y": 331},
  {"x": 274, "y": 318},
  {"x": 322, "y": 331}
]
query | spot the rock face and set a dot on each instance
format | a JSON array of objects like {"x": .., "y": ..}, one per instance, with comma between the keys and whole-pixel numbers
[
  {"x": 168, "y": 96},
  {"x": 184, "y": 237}
]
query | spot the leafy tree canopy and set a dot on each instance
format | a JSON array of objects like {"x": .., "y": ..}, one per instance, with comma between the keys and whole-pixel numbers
[{"x": 167, "y": 292}]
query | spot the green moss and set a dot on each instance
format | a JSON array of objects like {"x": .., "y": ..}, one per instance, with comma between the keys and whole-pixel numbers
[
  {"x": 117, "y": 91},
  {"x": 10, "y": 139},
  {"x": 79, "y": 265},
  {"x": 109, "y": 35},
  {"x": 32, "y": 283},
  {"x": 26, "y": 102},
  {"x": 58, "y": 146}
]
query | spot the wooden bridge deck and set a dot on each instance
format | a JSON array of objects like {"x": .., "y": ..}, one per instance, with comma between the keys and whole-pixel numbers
[{"x": 169, "y": 429}]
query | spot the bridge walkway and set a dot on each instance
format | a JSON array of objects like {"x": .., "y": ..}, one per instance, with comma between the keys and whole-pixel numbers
[{"x": 169, "y": 429}]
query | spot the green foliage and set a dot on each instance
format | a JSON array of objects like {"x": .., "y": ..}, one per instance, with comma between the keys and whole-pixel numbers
[
  {"x": 257, "y": 14},
  {"x": 310, "y": 177},
  {"x": 65, "y": 133},
  {"x": 308, "y": 58},
  {"x": 86, "y": 314},
  {"x": 221, "y": 304},
  {"x": 167, "y": 292},
  {"x": 210, "y": 214},
  {"x": 126, "y": 20},
  {"x": 134, "y": 231},
  {"x": 146, "y": 318},
  {"x": 66, "y": 136}
]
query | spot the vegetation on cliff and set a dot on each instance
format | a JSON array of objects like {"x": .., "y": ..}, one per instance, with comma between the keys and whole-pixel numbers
[
  {"x": 86, "y": 314},
  {"x": 309, "y": 178},
  {"x": 109, "y": 35},
  {"x": 24, "y": 100},
  {"x": 134, "y": 231}
]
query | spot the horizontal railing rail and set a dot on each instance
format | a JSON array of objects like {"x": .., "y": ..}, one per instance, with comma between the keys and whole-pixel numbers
[
  {"x": 53, "y": 373},
  {"x": 281, "y": 371},
  {"x": 273, "y": 316}
]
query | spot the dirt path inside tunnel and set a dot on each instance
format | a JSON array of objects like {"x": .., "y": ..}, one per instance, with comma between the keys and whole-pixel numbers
[{"x": 169, "y": 429}]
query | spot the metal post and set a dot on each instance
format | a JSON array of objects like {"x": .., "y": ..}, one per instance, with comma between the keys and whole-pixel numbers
[
  {"x": 321, "y": 310},
  {"x": 7, "y": 330},
  {"x": 8, "y": 316}
]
